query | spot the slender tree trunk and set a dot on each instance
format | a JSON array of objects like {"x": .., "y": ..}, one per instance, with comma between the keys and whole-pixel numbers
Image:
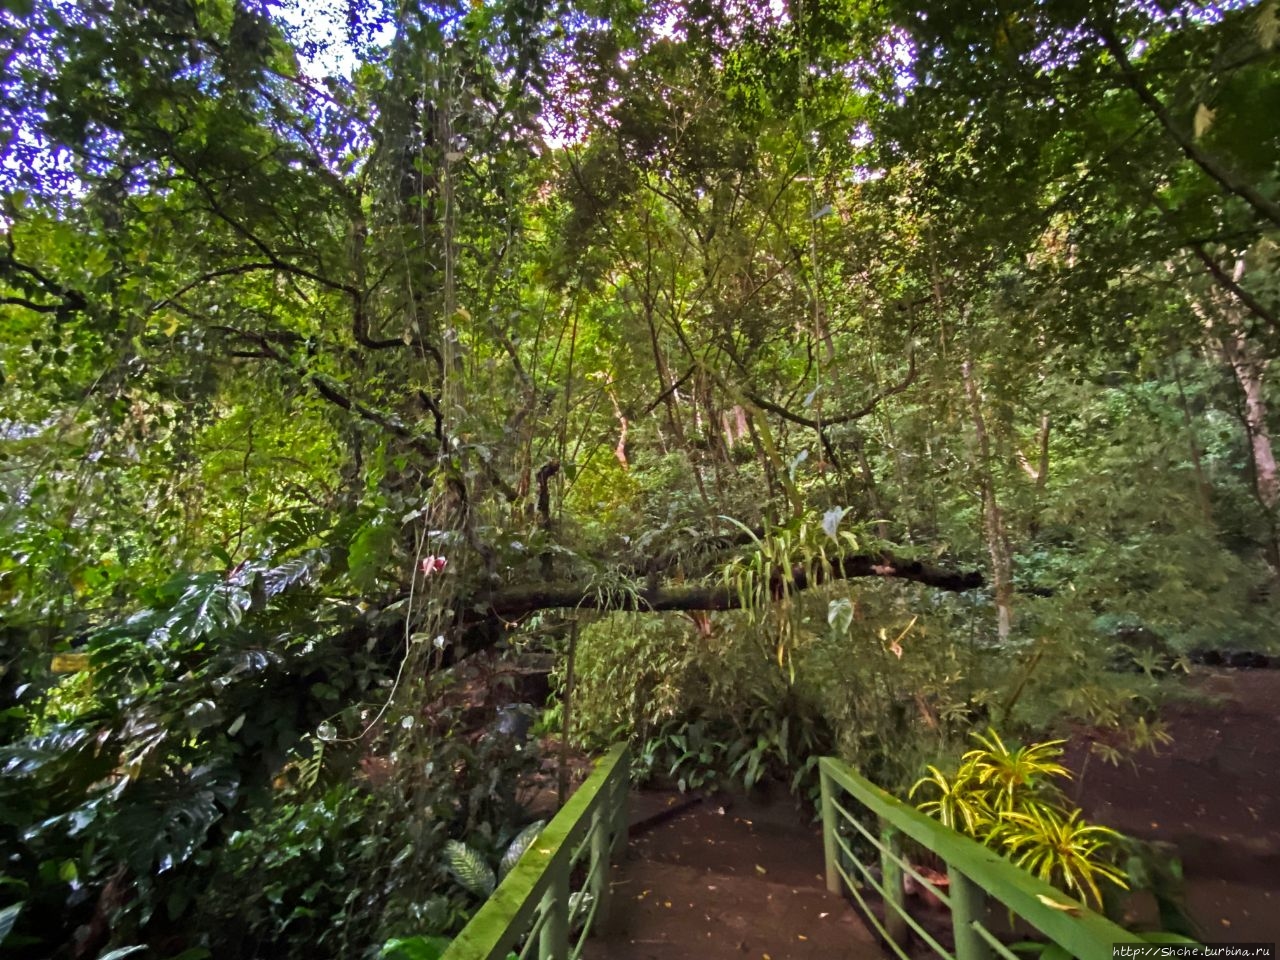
[
  {"x": 1224, "y": 320},
  {"x": 566, "y": 732},
  {"x": 1038, "y": 471},
  {"x": 1250, "y": 369},
  {"x": 993, "y": 518},
  {"x": 1204, "y": 491}
]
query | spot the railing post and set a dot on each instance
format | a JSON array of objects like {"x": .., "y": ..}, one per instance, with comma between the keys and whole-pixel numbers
[
  {"x": 968, "y": 903},
  {"x": 619, "y": 806},
  {"x": 895, "y": 897},
  {"x": 553, "y": 942},
  {"x": 829, "y": 849},
  {"x": 601, "y": 847}
]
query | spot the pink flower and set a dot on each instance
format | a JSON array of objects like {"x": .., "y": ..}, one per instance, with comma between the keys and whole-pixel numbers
[{"x": 433, "y": 564}]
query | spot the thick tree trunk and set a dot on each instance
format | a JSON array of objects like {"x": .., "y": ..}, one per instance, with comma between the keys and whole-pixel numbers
[{"x": 488, "y": 619}]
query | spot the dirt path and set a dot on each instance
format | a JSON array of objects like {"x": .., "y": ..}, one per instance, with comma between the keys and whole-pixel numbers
[
  {"x": 716, "y": 882},
  {"x": 745, "y": 881},
  {"x": 1214, "y": 793}
]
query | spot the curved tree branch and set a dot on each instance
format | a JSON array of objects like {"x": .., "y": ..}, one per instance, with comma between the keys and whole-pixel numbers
[
  {"x": 328, "y": 390},
  {"x": 1212, "y": 167},
  {"x": 865, "y": 410},
  {"x": 69, "y": 298}
]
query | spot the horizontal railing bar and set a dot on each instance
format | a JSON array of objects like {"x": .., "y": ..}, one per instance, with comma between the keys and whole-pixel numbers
[
  {"x": 586, "y": 929},
  {"x": 868, "y": 877},
  {"x": 501, "y": 920},
  {"x": 874, "y": 920},
  {"x": 900, "y": 861},
  {"x": 853, "y": 858},
  {"x": 584, "y": 845},
  {"x": 584, "y": 849},
  {"x": 535, "y": 928},
  {"x": 1082, "y": 932},
  {"x": 890, "y": 904},
  {"x": 592, "y": 873},
  {"x": 531, "y": 938}
]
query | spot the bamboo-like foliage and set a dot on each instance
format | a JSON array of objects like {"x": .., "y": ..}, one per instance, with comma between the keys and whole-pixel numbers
[{"x": 764, "y": 580}]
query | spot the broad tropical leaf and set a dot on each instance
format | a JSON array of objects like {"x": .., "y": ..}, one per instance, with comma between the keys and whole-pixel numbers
[
  {"x": 518, "y": 846},
  {"x": 8, "y": 917},
  {"x": 469, "y": 869},
  {"x": 291, "y": 572}
]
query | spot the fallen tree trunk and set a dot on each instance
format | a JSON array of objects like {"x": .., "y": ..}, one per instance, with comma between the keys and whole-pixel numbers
[
  {"x": 515, "y": 602},
  {"x": 487, "y": 620}
]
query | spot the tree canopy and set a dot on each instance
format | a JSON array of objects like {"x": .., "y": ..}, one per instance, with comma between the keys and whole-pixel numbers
[{"x": 329, "y": 362}]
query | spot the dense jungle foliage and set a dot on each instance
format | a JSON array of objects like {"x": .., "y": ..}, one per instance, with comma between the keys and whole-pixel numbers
[{"x": 813, "y": 376}]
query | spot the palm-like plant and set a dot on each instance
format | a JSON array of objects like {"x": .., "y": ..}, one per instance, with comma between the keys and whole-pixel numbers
[
  {"x": 961, "y": 804},
  {"x": 1014, "y": 773},
  {"x": 1005, "y": 799},
  {"x": 1059, "y": 848}
]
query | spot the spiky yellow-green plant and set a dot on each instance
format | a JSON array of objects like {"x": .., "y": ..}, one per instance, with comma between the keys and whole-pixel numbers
[
  {"x": 1013, "y": 773},
  {"x": 1005, "y": 799},
  {"x": 764, "y": 579},
  {"x": 961, "y": 803},
  {"x": 1059, "y": 848}
]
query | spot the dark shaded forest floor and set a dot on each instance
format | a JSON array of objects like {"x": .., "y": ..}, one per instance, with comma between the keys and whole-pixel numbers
[
  {"x": 739, "y": 879},
  {"x": 1214, "y": 793},
  {"x": 743, "y": 878}
]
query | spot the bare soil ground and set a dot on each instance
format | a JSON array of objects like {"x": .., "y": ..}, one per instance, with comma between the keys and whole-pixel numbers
[
  {"x": 1214, "y": 793},
  {"x": 728, "y": 882},
  {"x": 743, "y": 879}
]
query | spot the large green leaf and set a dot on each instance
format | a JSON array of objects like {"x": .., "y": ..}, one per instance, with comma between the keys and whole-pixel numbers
[
  {"x": 8, "y": 917},
  {"x": 518, "y": 846},
  {"x": 469, "y": 868},
  {"x": 290, "y": 573}
]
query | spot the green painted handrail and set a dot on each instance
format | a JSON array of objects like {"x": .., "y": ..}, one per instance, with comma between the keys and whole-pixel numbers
[
  {"x": 535, "y": 896},
  {"x": 976, "y": 874}
]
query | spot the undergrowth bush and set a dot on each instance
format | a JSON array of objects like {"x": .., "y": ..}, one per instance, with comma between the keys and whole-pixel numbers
[
  {"x": 210, "y": 784},
  {"x": 887, "y": 677}
]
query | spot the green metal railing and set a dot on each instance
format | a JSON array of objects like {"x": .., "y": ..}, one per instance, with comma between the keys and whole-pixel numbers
[
  {"x": 977, "y": 878},
  {"x": 536, "y": 910}
]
